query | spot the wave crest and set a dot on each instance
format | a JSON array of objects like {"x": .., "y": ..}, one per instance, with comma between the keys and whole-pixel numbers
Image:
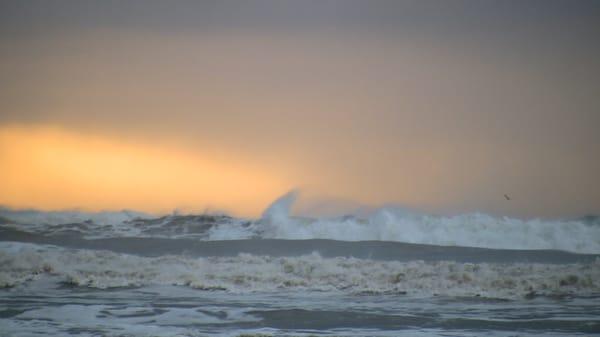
[{"x": 469, "y": 230}]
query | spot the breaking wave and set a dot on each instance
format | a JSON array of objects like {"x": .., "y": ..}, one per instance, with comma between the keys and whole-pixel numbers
[
  {"x": 21, "y": 262},
  {"x": 387, "y": 224}
]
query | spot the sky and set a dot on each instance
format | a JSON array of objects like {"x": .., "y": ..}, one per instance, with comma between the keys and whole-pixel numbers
[{"x": 438, "y": 106}]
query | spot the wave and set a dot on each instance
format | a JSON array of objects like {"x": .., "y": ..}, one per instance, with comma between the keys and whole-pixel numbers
[
  {"x": 20, "y": 263},
  {"x": 375, "y": 250},
  {"x": 387, "y": 224},
  {"x": 399, "y": 225},
  {"x": 126, "y": 223},
  {"x": 112, "y": 223},
  {"x": 468, "y": 230}
]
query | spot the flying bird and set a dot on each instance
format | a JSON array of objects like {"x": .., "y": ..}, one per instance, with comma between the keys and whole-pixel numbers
[{"x": 506, "y": 197}]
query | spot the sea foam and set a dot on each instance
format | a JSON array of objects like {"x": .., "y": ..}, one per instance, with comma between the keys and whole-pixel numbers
[{"x": 20, "y": 263}]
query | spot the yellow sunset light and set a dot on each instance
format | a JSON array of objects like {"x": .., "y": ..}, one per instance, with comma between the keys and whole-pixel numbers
[{"x": 53, "y": 168}]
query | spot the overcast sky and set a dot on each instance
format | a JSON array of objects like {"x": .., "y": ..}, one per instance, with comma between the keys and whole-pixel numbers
[{"x": 442, "y": 106}]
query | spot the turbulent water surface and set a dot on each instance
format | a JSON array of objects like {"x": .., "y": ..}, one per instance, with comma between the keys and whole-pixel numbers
[{"x": 391, "y": 274}]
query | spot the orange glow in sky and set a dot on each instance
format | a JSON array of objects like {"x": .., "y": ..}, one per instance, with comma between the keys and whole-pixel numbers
[{"x": 51, "y": 168}]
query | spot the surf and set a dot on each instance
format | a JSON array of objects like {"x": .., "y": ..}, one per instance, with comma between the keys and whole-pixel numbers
[{"x": 278, "y": 222}]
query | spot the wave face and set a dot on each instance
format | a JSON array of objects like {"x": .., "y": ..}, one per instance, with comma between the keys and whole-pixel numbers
[
  {"x": 251, "y": 273},
  {"x": 387, "y": 224}
]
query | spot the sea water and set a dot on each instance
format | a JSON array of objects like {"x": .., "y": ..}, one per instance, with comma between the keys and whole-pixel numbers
[{"x": 393, "y": 273}]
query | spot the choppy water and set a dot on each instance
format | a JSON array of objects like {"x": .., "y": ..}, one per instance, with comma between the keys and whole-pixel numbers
[{"x": 391, "y": 274}]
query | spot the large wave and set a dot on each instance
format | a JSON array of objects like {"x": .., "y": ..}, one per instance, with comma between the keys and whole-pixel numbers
[
  {"x": 468, "y": 230},
  {"x": 386, "y": 224}
]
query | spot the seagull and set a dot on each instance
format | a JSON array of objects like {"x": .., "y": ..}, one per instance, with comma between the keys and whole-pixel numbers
[{"x": 506, "y": 197}]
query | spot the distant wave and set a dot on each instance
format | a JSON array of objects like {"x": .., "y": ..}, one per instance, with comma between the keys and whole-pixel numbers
[{"x": 387, "y": 224}]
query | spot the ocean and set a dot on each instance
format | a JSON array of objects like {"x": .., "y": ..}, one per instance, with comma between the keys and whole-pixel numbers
[{"x": 391, "y": 273}]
